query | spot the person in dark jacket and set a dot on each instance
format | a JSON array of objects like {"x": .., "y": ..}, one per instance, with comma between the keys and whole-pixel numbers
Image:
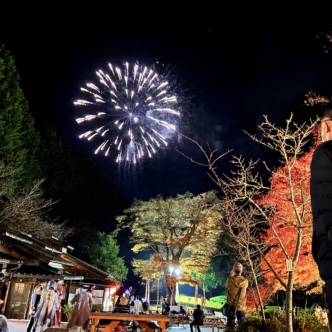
[
  {"x": 167, "y": 311},
  {"x": 182, "y": 311},
  {"x": 122, "y": 307},
  {"x": 198, "y": 315},
  {"x": 321, "y": 204}
]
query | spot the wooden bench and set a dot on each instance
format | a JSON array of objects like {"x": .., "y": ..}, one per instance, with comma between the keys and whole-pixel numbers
[{"x": 116, "y": 318}]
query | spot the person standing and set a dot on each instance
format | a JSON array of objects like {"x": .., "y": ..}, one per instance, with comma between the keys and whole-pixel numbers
[
  {"x": 34, "y": 302},
  {"x": 321, "y": 204},
  {"x": 198, "y": 321},
  {"x": 236, "y": 286},
  {"x": 47, "y": 306},
  {"x": 58, "y": 312},
  {"x": 167, "y": 311},
  {"x": 82, "y": 310},
  {"x": 138, "y": 305}
]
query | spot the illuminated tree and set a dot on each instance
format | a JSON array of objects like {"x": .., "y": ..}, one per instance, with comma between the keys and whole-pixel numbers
[
  {"x": 279, "y": 210},
  {"x": 180, "y": 235},
  {"x": 290, "y": 228}
]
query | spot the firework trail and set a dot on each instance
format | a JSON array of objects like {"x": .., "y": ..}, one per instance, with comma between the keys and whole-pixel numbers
[{"x": 134, "y": 109}]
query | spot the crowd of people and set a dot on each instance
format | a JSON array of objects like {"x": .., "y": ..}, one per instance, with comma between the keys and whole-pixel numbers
[{"x": 46, "y": 301}]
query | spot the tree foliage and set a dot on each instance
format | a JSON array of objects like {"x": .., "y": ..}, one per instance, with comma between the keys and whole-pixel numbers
[
  {"x": 221, "y": 263},
  {"x": 271, "y": 221},
  {"x": 180, "y": 232},
  {"x": 85, "y": 195},
  {"x": 101, "y": 250},
  {"x": 18, "y": 136},
  {"x": 290, "y": 232}
]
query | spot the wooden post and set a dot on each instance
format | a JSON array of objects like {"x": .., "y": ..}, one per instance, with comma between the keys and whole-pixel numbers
[
  {"x": 67, "y": 292},
  {"x": 157, "y": 292}
]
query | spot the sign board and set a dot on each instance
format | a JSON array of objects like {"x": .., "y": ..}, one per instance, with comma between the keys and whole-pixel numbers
[{"x": 289, "y": 265}]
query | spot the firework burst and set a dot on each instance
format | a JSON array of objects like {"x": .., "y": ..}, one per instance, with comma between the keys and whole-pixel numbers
[{"x": 134, "y": 109}]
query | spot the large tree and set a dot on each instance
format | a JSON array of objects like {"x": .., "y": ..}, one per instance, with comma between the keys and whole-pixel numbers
[
  {"x": 18, "y": 136},
  {"x": 85, "y": 194},
  {"x": 179, "y": 234},
  {"x": 273, "y": 217},
  {"x": 290, "y": 228}
]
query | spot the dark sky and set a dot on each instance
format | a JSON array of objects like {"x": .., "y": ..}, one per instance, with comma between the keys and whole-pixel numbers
[{"x": 234, "y": 62}]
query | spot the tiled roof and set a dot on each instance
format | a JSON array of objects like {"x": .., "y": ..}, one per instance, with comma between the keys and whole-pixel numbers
[
  {"x": 41, "y": 259},
  {"x": 6, "y": 258},
  {"x": 34, "y": 249},
  {"x": 34, "y": 270}
]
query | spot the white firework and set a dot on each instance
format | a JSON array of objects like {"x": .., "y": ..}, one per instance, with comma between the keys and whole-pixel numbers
[{"x": 135, "y": 109}]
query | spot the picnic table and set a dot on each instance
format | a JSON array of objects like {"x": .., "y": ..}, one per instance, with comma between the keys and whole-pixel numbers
[
  {"x": 180, "y": 319},
  {"x": 116, "y": 318},
  {"x": 215, "y": 322},
  {"x": 209, "y": 321}
]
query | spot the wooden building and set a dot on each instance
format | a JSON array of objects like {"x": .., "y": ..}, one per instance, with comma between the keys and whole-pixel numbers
[{"x": 26, "y": 262}]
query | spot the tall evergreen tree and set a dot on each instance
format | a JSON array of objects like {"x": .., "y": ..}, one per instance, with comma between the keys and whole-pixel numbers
[
  {"x": 17, "y": 133},
  {"x": 85, "y": 195}
]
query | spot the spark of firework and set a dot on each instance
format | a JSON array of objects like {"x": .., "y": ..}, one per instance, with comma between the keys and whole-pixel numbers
[{"x": 136, "y": 111}]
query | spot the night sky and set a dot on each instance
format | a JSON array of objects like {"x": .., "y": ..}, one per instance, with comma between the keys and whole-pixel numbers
[{"x": 234, "y": 63}]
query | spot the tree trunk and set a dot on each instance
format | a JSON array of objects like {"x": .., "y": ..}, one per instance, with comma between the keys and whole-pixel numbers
[
  {"x": 260, "y": 300},
  {"x": 256, "y": 285},
  {"x": 289, "y": 302},
  {"x": 171, "y": 295},
  {"x": 148, "y": 296}
]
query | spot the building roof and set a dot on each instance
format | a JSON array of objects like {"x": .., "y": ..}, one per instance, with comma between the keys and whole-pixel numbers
[
  {"x": 34, "y": 271},
  {"x": 6, "y": 258},
  {"x": 35, "y": 258},
  {"x": 86, "y": 265},
  {"x": 96, "y": 282},
  {"x": 34, "y": 249}
]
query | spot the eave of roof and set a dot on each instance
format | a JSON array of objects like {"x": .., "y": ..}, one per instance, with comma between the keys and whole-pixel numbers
[
  {"x": 97, "y": 282},
  {"x": 88, "y": 266},
  {"x": 34, "y": 249},
  {"x": 34, "y": 271},
  {"x": 6, "y": 258}
]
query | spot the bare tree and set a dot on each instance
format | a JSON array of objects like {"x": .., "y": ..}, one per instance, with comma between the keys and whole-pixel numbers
[
  {"x": 26, "y": 211},
  {"x": 244, "y": 228},
  {"x": 282, "y": 205}
]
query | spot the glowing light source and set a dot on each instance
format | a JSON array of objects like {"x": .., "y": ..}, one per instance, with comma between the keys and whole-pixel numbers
[{"x": 136, "y": 111}]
